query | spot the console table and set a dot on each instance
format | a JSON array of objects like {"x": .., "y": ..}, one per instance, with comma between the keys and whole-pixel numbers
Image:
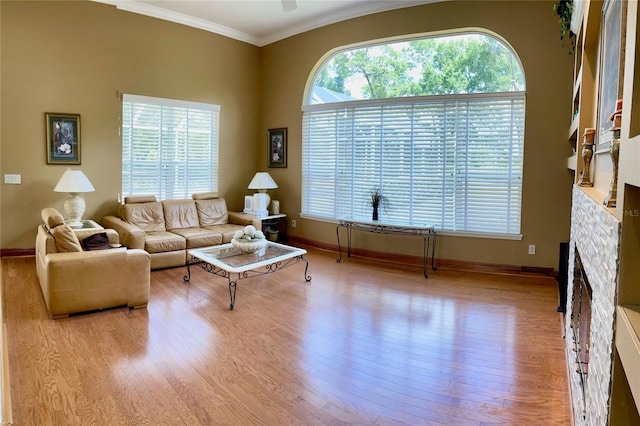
[{"x": 426, "y": 232}]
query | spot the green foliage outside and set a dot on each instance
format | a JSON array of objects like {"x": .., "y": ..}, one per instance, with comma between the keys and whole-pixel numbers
[{"x": 470, "y": 63}]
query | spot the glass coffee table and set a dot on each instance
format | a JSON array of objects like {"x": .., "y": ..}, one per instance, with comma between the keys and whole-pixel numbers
[{"x": 228, "y": 262}]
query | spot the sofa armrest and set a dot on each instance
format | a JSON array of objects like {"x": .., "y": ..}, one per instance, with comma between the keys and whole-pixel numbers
[
  {"x": 238, "y": 218},
  {"x": 101, "y": 264},
  {"x": 130, "y": 235}
]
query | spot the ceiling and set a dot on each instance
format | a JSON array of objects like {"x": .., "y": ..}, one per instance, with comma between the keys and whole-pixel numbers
[{"x": 259, "y": 22}]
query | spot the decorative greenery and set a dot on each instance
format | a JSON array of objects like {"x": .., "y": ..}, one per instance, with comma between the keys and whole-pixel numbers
[
  {"x": 469, "y": 63},
  {"x": 564, "y": 9},
  {"x": 377, "y": 199}
]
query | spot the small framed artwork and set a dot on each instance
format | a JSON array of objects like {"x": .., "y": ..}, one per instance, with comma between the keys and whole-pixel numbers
[
  {"x": 278, "y": 147},
  {"x": 63, "y": 138}
]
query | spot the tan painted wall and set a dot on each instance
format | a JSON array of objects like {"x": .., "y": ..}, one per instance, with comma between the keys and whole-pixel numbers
[
  {"x": 532, "y": 30},
  {"x": 73, "y": 57}
]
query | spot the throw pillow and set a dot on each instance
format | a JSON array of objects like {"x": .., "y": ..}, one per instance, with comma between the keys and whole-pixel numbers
[
  {"x": 66, "y": 240},
  {"x": 98, "y": 241}
]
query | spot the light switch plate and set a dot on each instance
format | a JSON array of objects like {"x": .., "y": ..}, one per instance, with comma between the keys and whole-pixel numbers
[{"x": 13, "y": 179}]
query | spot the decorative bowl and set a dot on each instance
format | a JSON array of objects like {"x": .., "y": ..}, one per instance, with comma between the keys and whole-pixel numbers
[{"x": 249, "y": 246}]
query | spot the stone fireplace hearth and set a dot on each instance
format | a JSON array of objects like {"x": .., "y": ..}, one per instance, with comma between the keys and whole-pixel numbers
[{"x": 595, "y": 235}]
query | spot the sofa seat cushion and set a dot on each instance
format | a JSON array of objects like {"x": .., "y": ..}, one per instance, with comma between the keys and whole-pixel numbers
[
  {"x": 227, "y": 230},
  {"x": 212, "y": 212},
  {"x": 199, "y": 237},
  {"x": 147, "y": 216},
  {"x": 161, "y": 241}
]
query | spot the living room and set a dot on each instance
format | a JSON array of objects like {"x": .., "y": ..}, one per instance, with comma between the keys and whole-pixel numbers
[{"x": 80, "y": 57}]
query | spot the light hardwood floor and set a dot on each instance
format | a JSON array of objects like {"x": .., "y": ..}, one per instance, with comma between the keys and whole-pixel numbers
[{"x": 362, "y": 343}]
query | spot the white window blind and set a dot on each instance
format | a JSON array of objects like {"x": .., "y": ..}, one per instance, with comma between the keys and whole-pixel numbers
[
  {"x": 169, "y": 147},
  {"x": 450, "y": 161}
]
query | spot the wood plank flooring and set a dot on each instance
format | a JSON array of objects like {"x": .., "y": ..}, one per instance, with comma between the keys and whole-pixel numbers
[{"x": 362, "y": 343}]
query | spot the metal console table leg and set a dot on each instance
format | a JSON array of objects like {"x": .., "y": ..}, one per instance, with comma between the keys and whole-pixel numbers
[{"x": 348, "y": 226}]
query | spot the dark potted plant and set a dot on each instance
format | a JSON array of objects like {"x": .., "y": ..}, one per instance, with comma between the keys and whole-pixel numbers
[
  {"x": 377, "y": 200},
  {"x": 564, "y": 10}
]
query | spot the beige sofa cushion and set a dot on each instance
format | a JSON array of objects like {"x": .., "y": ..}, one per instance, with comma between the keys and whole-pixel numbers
[
  {"x": 131, "y": 199},
  {"x": 199, "y": 237},
  {"x": 66, "y": 240},
  {"x": 226, "y": 230},
  {"x": 161, "y": 241},
  {"x": 51, "y": 217},
  {"x": 180, "y": 214},
  {"x": 147, "y": 216},
  {"x": 212, "y": 212},
  {"x": 204, "y": 195}
]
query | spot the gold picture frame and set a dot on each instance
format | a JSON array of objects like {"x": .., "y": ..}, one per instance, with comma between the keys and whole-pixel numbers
[
  {"x": 277, "y": 147},
  {"x": 63, "y": 138}
]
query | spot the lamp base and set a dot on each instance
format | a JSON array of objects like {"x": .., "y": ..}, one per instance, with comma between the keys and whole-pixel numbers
[{"x": 74, "y": 208}]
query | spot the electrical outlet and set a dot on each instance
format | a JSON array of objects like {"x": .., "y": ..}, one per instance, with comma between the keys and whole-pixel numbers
[
  {"x": 532, "y": 249},
  {"x": 293, "y": 223}
]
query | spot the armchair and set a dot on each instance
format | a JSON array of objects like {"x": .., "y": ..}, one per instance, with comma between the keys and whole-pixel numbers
[{"x": 73, "y": 280}]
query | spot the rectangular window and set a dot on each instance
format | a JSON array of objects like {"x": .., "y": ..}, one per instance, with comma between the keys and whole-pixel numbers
[
  {"x": 169, "y": 147},
  {"x": 450, "y": 161}
]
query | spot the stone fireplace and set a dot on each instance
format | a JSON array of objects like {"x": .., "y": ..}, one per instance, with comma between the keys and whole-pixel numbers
[{"x": 595, "y": 236}]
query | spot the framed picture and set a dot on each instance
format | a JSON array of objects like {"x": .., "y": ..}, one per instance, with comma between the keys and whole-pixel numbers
[
  {"x": 63, "y": 138},
  {"x": 611, "y": 63},
  {"x": 278, "y": 147}
]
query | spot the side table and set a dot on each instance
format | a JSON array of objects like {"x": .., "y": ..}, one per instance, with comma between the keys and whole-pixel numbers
[
  {"x": 88, "y": 224},
  {"x": 276, "y": 223}
]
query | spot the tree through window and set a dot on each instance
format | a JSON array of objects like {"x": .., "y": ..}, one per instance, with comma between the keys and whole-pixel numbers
[
  {"x": 456, "y": 64},
  {"x": 436, "y": 123}
]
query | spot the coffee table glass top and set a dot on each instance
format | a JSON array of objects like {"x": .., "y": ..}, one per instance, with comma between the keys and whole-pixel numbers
[{"x": 229, "y": 258}]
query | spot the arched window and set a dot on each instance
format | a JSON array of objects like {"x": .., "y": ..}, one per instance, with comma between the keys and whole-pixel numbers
[{"x": 435, "y": 124}]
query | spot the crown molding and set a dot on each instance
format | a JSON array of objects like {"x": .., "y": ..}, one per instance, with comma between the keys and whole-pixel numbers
[
  {"x": 180, "y": 18},
  {"x": 366, "y": 8}
]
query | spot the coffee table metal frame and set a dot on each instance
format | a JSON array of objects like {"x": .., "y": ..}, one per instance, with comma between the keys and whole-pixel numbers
[{"x": 228, "y": 262}]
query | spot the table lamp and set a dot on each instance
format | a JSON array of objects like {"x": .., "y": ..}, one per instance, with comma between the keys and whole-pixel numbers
[
  {"x": 258, "y": 204},
  {"x": 75, "y": 183}
]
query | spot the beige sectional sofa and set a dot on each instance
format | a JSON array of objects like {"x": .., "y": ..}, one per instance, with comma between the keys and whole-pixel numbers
[{"x": 167, "y": 229}]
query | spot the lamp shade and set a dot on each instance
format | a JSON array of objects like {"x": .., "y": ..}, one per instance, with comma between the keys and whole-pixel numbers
[
  {"x": 262, "y": 180},
  {"x": 74, "y": 181}
]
